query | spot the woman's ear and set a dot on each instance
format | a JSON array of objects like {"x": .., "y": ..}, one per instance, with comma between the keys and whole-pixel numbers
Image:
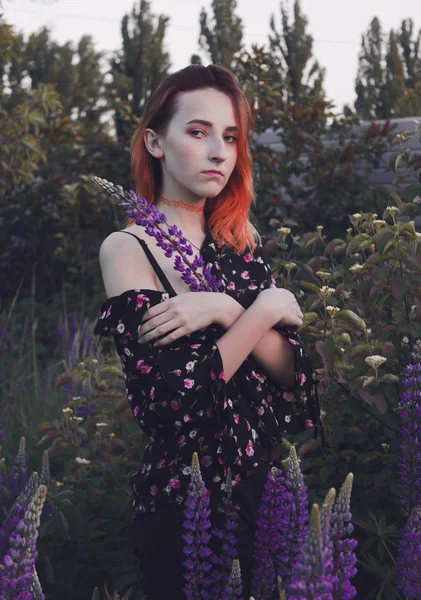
[{"x": 153, "y": 144}]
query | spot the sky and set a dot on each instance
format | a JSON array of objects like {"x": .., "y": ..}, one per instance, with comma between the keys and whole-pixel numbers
[{"x": 336, "y": 27}]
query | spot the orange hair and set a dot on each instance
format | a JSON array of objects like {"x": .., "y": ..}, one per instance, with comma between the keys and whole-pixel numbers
[{"x": 228, "y": 213}]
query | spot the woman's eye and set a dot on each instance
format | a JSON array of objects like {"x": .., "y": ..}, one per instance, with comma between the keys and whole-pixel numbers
[{"x": 234, "y": 139}]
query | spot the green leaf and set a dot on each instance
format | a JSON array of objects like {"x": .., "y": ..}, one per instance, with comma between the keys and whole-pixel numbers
[{"x": 351, "y": 317}]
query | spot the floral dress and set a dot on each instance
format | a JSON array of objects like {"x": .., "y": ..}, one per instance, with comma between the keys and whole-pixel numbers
[{"x": 179, "y": 397}]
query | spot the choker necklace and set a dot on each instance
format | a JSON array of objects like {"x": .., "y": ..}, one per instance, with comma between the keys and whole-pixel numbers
[
  {"x": 181, "y": 204},
  {"x": 191, "y": 208}
]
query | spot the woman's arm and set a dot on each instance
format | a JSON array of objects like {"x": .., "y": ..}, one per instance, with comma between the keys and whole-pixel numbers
[{"x": 253, "y": 334}]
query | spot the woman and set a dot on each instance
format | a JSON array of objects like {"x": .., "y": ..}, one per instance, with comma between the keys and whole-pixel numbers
[{"x": 221, "y": 374}]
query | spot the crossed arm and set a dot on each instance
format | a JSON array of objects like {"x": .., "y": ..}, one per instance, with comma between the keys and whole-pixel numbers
[{"x": 250, "y": 331}]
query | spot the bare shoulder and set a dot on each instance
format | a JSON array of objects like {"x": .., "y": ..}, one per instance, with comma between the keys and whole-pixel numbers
[{"x": 124, "y": 265}]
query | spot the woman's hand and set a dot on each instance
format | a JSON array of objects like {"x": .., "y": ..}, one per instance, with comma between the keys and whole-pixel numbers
[
  {"x": 178, "y": 316},
  {"x": 280, "y": 306}
]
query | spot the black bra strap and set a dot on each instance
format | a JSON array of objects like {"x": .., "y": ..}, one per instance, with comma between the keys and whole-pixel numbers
[{"x": 168, "y": 287}]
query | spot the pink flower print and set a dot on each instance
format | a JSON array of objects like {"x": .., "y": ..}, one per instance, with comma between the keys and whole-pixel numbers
[
  {"x": 288, "y": 396},
  {"x": 152, "y": 393},
  {"x": 186, "y": 418},
  {"x": 209, "y": 412},
  {"x": 154, "y": 490},
  {"x": 175, "y": 483},
  {"x": 231, "y": 286},
  {"x": 260, "y": 410},
  {"x": 293, "y": 342},
  {"x": 245, "y": 275},
  {"x": 189, "y": 383},
  {"x": 253, "y": 286},
  {"x": 206, "y": 461},
  {"x": 193, "y": 433},
  {"x": 195, "y": 346},
  {"x": 160, "y": 463},
  {"x": 190, "y": 365},
  {"x": 140, "y": 299},
  {"x": 250, "y": 449},
  {"x": 237, "y": 419},
  {"x": 257, "y": 376},
  {"x": 175, "y": 405},
  {"x": 248, "y": 257},
  {"x": 120, "y": 327},
  {"x": 221, "y": 375},
  {"x": 177, "y": 372},
  {"x": 303, "y": 378},
  {"x": 107, "y": 314},
  {"x": 287, "y": 418},
  {"x": 181, "y": 440},
  {"x": 143, "y": 367},
  {"x": 308, "y": 424},
  {"x": 237, "y": 479},
  {"x": 186, "y": 470},
  {"x": 216, "y": 479},
  {"x": 136, "y": 410}
]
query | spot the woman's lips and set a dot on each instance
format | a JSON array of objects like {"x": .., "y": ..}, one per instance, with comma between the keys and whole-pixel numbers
[{"x": 212, "y": 173}]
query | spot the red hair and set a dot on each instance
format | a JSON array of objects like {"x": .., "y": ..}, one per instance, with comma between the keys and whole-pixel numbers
[{"x": 228, "y": 213}]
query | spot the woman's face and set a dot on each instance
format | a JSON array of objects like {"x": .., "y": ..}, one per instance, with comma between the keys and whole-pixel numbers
[{"x": 192, "y": 147}]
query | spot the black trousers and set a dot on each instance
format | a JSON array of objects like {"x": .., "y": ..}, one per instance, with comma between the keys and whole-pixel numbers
[{"x": 159, "y": 545}]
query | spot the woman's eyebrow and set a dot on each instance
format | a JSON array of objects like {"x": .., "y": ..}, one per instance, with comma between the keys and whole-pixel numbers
[{"x": 209, "y": 124}]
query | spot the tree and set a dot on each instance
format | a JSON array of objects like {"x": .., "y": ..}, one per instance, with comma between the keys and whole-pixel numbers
[
  {"x": 388, "y": 82},
  {"x": 75, "y": 73},
  {"x": 292, "y": 48},
  {"x": 140, "y": 65},
  {"x": 223, "y": 40}
]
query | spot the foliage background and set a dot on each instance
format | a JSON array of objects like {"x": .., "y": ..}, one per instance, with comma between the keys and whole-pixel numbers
[{"x": 65, "y": 115}]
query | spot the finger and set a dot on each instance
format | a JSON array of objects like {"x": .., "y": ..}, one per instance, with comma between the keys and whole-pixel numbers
[
  {"x": 156, "y": 310},
  {"x": 153, "y": 323},
  {"x": 168, "y": 339}
]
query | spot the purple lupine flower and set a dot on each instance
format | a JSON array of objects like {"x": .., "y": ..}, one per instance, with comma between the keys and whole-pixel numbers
[
  {"x": 18, "y": 476},
  {"x": 197, "y": 524},
  {"x": 344, "y": 558},
  {"x": 298, "y": 516},
  {"x": 18, "y": 565},
  {"x": 271, "y": 525},
  {"x": 326, "y": 532},
  {"x": 17, "y": 512},
  {"x": 220, "y": 577},
  {"x": 150, "y": 218},
  {"x": 310, "y": 579},
  {"x": 410, "y": 455},
  {"x": 408, "y": 570},
  {"x": 235, "y": 586}
]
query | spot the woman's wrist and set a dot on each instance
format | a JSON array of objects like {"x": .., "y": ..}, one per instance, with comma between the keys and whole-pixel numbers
[{"x": 227, "y": 310}]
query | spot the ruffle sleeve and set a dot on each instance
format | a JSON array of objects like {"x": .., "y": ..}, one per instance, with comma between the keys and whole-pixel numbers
[
  {"x": 297, "y": 406},
  {"x": 163, "y": 384}
]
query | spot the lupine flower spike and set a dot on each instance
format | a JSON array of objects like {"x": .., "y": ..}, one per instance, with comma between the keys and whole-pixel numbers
[
  {"x": 408, "y": 570},
  {"x": 344, "y": 558},
  {"x": 151, "y": 219},
  {"x": 267, "y": 537},
  {"x": 18, "y": 566},
  {"x": 18, "y": 475},
  {"x": 298, "y": 514},
  {"x": 410, "y": 433},
  {"x": 310, "y": 580},
  {"x": 326, "y": 533},
  {"x": 197, "y": 525}
]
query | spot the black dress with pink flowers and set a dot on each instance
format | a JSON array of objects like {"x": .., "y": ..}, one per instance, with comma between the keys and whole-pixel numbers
[{"x": 179, "y": 396}]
